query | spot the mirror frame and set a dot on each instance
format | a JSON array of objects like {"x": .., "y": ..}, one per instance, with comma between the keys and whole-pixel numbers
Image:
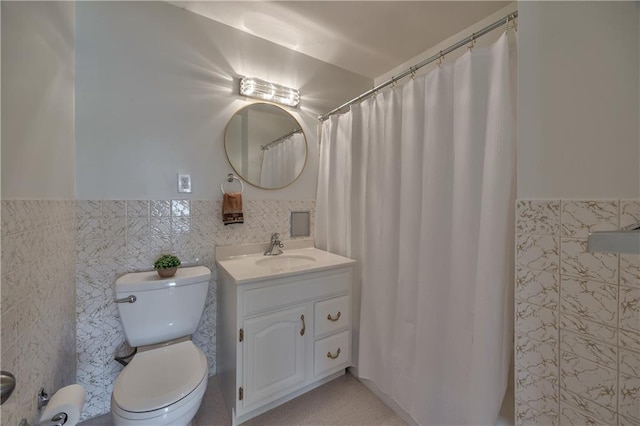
[{"x": 306, "y": 144}]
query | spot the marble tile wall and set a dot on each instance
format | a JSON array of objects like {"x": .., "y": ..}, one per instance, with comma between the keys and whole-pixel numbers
[
  {"x": 577, "y": 316},
  {"x": 115, "y": 237},
  {"x": 37, "y": 301}
]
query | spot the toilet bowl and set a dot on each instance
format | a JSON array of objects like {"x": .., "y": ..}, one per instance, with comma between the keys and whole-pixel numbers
[
  {"x": 165, "y": 381},
  {"x": 162, "y": 386}
]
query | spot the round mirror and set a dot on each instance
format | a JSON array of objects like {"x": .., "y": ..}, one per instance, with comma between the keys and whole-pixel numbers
[{"x": 265, "y": 145}]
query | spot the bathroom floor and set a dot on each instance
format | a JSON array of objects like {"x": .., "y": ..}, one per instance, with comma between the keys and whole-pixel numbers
[{"x": 343, "y": 401}]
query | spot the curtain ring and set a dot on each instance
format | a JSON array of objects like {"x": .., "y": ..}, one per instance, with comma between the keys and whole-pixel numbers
[
  {"x": 514, "y": 25},
  {"x": 440, "y": 60},
  {"x": 473, "y": 42},
  {"x": 413, "y": 72}
]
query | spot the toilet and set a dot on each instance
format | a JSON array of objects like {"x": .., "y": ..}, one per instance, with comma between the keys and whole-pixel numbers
[{"x": 165, "y": 381}]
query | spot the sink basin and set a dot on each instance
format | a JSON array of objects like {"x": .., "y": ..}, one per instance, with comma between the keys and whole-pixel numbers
[
  {"x": 245, "y": 263},
  {"x": 285, "y": 262}
]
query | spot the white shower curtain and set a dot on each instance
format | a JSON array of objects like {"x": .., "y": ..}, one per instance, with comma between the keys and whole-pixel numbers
[
  {"x": 283, "y": 161},
  {"x": 418, "y": 185}
]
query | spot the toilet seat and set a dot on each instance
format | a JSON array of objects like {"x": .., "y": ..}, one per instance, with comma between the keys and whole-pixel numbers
[
  {"x": 159, "y": 378},
  {"x": 178, "y": 414}
]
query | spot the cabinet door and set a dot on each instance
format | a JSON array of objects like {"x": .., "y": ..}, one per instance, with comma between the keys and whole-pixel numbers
[{"x": 273, "y": 354}]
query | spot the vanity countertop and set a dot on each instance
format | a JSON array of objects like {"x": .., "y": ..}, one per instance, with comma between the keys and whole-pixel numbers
[{"x": 246, "y": 263}]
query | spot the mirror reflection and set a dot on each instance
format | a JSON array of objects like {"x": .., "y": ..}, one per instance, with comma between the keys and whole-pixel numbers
[{"x": 265, "y": 145}]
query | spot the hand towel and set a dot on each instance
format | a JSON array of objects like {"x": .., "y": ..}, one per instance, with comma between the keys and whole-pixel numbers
[{"x": 232, "y": 208}]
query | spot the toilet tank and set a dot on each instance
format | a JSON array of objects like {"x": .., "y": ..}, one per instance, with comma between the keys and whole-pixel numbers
[{"x": 164, "y": 308}]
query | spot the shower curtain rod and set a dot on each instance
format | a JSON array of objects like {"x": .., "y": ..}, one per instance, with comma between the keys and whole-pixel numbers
[
  {"x": 281, "y": 138},
  {"x": 411, "y": 70}
]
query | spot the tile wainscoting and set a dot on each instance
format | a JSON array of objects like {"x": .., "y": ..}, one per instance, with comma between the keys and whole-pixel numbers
[
  {"x": 115, "y": 237},
  {"x": 38, "y": 309},
  {"x": 577, "y": 316}
]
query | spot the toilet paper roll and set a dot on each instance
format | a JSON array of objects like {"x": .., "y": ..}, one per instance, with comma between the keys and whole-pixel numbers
[{"x": 69, "y": 400}]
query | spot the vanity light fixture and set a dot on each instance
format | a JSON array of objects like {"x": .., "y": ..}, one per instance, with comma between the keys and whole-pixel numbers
[{"x": 256, "y": 88}]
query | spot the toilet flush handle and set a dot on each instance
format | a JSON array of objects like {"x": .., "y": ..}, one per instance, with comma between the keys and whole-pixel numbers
[{"x": 128, "y": 299}]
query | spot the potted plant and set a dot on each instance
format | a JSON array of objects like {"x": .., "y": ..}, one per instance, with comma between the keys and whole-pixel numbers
[{"x": 166, "y": 265}]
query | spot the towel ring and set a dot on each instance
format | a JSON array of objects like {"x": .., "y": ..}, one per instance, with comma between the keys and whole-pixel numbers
[{"x": 230, "y": 178}]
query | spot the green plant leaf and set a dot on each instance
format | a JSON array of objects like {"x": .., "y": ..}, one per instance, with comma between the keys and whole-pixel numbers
[{"x": 166, "y": 261}]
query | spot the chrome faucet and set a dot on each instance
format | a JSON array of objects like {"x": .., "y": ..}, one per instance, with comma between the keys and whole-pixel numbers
[{"x": 276, "y": 244}]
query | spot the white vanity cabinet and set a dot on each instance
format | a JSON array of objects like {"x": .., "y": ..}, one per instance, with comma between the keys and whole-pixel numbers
[{"x": 281, "y": 336}]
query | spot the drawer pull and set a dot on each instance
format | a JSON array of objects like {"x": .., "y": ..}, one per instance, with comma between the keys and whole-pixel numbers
[
  {"x": 333, "y": 356},
  {"x": 304, "y": 327},
  {"x": 330, "y": 318}
]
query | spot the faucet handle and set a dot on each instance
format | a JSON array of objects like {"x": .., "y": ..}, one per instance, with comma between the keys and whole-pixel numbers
[{"x": 275, "y": 241}]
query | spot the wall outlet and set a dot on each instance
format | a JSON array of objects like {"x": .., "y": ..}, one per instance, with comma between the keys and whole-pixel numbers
[{"x": 184, "y": 183}]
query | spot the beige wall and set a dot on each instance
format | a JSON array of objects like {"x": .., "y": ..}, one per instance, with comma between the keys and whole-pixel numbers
[
  {"x": 38, "y": 152},
  {"x": 578, "y": 100},
  {"x": 38, "y": 234},
  {"x": 576, "y": 323},
  {"x": 155, "y": 90}
]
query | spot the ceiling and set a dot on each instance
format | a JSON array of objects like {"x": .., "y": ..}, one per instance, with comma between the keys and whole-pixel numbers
[{"x": 365, "y": 37}]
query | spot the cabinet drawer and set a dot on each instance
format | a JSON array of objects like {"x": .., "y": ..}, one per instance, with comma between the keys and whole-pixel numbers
[
  {"x": 332, "y": 353},
  {"x": 288, "y": 291},
  {"x": 332, "y": 315}
]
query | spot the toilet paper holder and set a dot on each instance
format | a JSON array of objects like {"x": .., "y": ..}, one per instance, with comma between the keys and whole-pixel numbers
[
  {"x": 43, "y": 399},
  {"x": 58, "y": 419}
]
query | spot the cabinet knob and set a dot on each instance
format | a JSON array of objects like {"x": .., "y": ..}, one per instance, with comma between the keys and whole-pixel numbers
[{"x": 304, "y": 327}]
